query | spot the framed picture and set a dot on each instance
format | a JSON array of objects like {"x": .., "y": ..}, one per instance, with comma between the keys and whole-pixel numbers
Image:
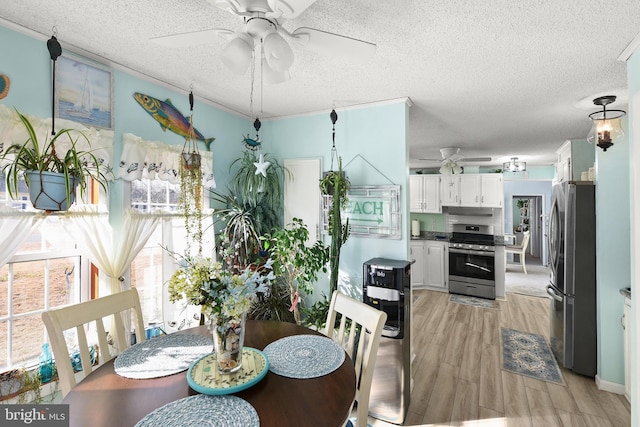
[{"x": 84, "y": 93}]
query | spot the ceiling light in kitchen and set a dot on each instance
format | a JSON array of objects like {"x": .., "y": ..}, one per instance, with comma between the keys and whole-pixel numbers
[
  {"x": 606, "y": 123},
  {"x": 514, "y": 166}
]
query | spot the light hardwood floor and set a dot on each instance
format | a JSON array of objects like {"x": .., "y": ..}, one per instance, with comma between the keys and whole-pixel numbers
[{"x": 458, "y": 380}]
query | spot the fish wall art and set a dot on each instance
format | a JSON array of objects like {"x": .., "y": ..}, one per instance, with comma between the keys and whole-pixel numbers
[{"x": 169, "y": 117}]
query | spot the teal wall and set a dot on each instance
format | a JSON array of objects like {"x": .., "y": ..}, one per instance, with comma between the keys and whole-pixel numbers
[
  {"x": 373, "y": 145},
  {"x": 371, "y": 141},
  {"x": 27, "y": 63},
  {"x": 613, "y": 254},
  {"x": 430, "y": 222}
]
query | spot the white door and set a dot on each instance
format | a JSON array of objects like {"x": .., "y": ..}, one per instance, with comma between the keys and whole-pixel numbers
[{"x": 302, "y": 194}]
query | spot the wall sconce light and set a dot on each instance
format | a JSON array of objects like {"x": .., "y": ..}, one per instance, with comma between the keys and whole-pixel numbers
[
  {"x": 606, "y": 123},
  {"x": 514, "y": 165}
]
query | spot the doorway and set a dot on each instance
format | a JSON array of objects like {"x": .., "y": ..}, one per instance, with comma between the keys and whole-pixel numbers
[{"x": 529, "y": 215}]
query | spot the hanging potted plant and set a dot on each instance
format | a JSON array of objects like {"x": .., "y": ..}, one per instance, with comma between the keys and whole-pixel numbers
[
  {"x": 336, "y": 185},
  {"x": 51, "y": 173},
  {"x": 190, "y": 201}
]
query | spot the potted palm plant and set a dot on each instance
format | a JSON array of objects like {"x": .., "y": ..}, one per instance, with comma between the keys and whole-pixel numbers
[{"x": 51, "y": 176}]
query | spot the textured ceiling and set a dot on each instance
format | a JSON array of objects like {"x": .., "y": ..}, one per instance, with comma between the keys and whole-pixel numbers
[{"x": 501, "y": 78}]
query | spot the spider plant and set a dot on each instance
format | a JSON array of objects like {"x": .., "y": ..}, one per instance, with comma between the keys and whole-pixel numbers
[{"x": 32, "y": 155}]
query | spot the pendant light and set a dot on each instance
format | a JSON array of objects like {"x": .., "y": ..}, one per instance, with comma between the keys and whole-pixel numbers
[
  {"x": 606, "y": 123},
  {"x": 514, "y": 165}
]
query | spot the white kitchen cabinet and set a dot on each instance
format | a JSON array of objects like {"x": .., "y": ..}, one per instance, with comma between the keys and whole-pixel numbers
[
  {"x": 417, "y": 268},
  {"x": 436, "y": 264},
  {"x": 626, "y": 325},
  {"x": 470, "y": 190},
  {"x": 491, "y": 190},
  {"x": 480, "y": 190},
  {"x": 450, "y": 186},
  {"x": 424, "y": 193}
]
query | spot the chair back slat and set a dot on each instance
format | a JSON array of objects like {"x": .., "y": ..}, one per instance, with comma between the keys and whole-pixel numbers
[
  {"x": 79, "y": 317},
  {"x": 103, "y": 345},
  {"x": 364, "y": 325}
]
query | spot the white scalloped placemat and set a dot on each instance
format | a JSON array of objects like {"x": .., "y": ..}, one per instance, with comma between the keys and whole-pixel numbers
[
  {"x": 202, "y": 410},
  {"x": 162, "y": 356},
  {"x": 304, "y": 356}
]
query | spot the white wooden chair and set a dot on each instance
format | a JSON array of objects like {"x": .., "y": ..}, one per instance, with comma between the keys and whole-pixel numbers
[
  {"x": 79, "y": 317},
  {"x": 520, "y": 249},
  {"x": 365, "y": 349}
]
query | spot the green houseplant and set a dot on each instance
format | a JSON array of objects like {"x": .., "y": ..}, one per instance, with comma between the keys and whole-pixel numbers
[
  {"x": 298, "y": 263},
  {"x": 336, "y": 185},
  {"x": 259, "y": 195},
  {"x": 41, "y": 165}
]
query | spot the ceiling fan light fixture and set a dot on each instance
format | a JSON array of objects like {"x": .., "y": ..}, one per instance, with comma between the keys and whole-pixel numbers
[
  {"x": 237, "y": 54},
  {"x": 271, "y": 76},
  {"x": 607, "y": 124},
  {"x": 450, "y": 167},
  {"x": 277, "y": 52},
  {"x": 514, "y": 165}
]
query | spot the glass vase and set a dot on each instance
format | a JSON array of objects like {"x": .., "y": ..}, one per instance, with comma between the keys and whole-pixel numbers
[{"x": 228, "y": 340}]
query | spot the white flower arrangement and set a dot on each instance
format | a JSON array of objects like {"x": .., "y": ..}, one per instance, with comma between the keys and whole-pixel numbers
[{"x": 223, "y": 295}]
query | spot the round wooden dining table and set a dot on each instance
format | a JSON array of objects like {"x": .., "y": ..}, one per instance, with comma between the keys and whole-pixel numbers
[{"x": 104, "y": 398}]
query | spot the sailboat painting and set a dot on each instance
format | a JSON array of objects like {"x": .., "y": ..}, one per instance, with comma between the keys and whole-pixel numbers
[{"x": 84, "y": 93}]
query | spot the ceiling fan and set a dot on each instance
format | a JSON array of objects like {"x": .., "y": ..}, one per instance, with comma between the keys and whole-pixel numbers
[
  {"x": 263, "y": 27},
  {"x": 452, "y": 154},
  {"x": 451, "y": 158}
]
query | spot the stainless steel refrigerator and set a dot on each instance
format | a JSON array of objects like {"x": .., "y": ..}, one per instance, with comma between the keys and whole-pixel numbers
[{"x": 572, "y": 252}]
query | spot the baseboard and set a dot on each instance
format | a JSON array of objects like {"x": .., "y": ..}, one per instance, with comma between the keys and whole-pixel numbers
[{"x": 609, "y": 386}]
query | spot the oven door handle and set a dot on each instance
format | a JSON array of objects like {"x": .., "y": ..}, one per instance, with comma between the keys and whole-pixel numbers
[{"x": 471, "y": 252}]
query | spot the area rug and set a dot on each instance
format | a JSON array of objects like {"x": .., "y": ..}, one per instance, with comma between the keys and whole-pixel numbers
[
  {"x": 474, "y": 301},
  {"x": 529, "y": 354},
  {"x": 530, "y": 291}
]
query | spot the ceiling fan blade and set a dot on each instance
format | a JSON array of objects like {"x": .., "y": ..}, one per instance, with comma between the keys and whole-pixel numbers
[
  {"x": 289, "y": 9},
  {"x": 192, "y": 38},
  {"x": 331, "y": 44},
  {"x": 475, "y": 159}
]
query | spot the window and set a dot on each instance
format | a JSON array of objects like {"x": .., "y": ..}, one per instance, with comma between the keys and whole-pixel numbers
[
  {"x": 153, "y": 266},
  {"x": 46, "y": 272}
]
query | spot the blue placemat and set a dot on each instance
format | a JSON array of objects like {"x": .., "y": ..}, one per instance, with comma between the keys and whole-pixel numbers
[
  {"x": 204, "y": 376},
  {"x": 202, "y": 410},
  {"x": 162, "y": 356},
  {"x": 304, "y": 356}
]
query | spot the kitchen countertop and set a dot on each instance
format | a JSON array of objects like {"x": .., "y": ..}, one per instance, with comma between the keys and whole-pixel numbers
[
  {"x": 433, "y": 235},
  {"x": 626, "y": 292}
]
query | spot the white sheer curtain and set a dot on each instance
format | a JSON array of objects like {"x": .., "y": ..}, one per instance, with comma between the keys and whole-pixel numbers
[
  {"x": 157, "y": 160},
  {"x": 112, "y": 250},
  {"x": 15, "y": 227}
]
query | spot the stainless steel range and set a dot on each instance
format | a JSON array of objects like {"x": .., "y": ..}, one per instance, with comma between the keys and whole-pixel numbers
[{"x": 472, "y": 265}]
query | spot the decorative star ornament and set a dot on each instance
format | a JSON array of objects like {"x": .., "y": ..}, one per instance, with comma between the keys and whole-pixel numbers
[{"x": 261, "y": 166}]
